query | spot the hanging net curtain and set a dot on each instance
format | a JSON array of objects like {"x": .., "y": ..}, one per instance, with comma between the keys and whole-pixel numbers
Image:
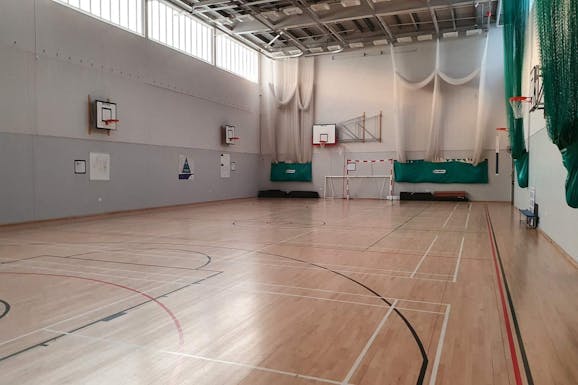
[
  {"x": 288, "y": 110},
  {"x": 515, "y": 16},
  {"x": 433, "y": 147},
  {"x": 558, "y": 33}
]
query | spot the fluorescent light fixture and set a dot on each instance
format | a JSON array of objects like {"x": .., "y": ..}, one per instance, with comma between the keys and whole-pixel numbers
[
  {"x": 406, "y": 39},
  {"x": 334, "y": 47},
  {"x": 450, "y": 35},
  {"x": 350, "y": 3},
  {"x": 473, "y": 32},
  {"x": 424, "y": 37},
  {"x": 291, "y": 11},
  {"x": 271, "y": 15},
  {"x": 277, "y": 53},
  {"x": 294, "y": 52},
  {"x": 245, "y": 18},
  {"x": 316, "y": 49},
  {"x": 380, "y": 42},
  {"x": 320, "y": 7},
  {"x": 356, "y": 45}
]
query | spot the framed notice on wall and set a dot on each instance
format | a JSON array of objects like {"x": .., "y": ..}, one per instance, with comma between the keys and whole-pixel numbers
[{"x": 99, "y": 166}]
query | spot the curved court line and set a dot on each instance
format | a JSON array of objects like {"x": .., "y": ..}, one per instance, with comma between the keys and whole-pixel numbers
[
  {"x": 150, "y": 298},
  {"x": 6, "y": 308},
  {"x": 499, "y": 268},
  {"x": 408, "y": 324}
]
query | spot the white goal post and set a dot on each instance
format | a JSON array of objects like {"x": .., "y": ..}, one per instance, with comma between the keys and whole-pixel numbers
[{"x": 362, "y": 178}]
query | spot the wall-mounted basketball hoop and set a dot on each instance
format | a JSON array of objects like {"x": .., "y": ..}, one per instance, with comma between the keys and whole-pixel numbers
[
  {"x": 229, "y": 135},
  {"x": 518, "y": 104}
]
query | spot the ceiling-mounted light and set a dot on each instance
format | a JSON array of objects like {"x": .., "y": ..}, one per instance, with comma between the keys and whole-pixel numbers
[
  {"x": 277, "y": 53},
  {"x": 245, "y": 18},
  {"x": 356, "y": 45},
  {"x": 320, "y": 7},
  {"x": 449, "y": 35},
  {"x": 334, "y": 47},
  {"x": 406, "y": 39},
  {"x": 271, "y": 15},
  {"x": 294, "y": 52},
  {"x": 316, "y": 49},
  {"x": 473, "y": 32},
  {"x": 380, "y": 42},
  {"x": 350, "y": 3},
  {"x": 424, "y": 37},
  {"x": 291, "y": 11}
]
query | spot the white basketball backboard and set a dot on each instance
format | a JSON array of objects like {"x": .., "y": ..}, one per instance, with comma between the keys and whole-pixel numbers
[{"x": 324, "y": 134}]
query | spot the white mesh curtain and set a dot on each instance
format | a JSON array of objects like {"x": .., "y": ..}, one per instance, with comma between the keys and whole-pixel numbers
[
  {"x": 433, "y": 147},
  {"x": 288, "y": 104}
]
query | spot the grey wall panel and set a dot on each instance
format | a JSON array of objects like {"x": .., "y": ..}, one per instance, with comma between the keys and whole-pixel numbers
[
  {"x": 16, "y": 177},
  {"x": 37, "y": 172}
]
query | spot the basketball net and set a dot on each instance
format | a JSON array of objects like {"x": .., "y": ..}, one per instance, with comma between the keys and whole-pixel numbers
[
  {"x": 322, "y": 143},
  {"x": 517, "y": 104}
]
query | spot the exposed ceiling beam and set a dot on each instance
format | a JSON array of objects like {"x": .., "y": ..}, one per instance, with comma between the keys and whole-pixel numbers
[
  {"x": 453, "y": 16},
  {"x": 339, "y": 13},
  {"x": 434, "y": 18}
]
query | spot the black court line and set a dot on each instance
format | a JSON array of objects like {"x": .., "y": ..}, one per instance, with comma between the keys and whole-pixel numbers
[
  {"x": 408, "y": 324},
  {"x": 525, "y": 361},
  {"x": 6, "y": 308},
  {"x": 105, "y": 318},
  {"x": 133, "y": 263}
]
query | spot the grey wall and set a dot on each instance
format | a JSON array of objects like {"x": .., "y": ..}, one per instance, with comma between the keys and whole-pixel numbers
[{"x": 52, "y": 58}]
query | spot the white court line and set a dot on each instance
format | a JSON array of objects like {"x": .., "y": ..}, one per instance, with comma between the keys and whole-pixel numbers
[
  {"x": 436, "y": 364},
  {"x": 459, "y": 259},
  {"x": 404, "y": 275},
  {"x": 468, "y": 217},
  {"x": 195, "y": 356},
  {"x": 423, "y": 258},
  {"x": 361, "y": 356},
  {"x": 450, "y": 216},
  {"x": 344, "y": 292},
  {"x": 301, "y": 265},
  {"x": 332, "y": 300}
]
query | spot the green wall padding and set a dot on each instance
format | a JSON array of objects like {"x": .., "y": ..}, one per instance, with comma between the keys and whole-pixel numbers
[
  {"x": 515, "y": 15},
  {"x": 421, "y": 171},
  {"x": 291, "y": 172},
  {"x": 557, "y": 22}
]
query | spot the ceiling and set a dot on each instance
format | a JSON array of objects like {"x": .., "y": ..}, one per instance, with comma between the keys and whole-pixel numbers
[{"x": 283, "y": 28}]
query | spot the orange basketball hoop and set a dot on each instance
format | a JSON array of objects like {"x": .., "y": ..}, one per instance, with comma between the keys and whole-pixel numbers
[
  {"x": 108, "y": 122},
  {"x": 517, "y": 104}
]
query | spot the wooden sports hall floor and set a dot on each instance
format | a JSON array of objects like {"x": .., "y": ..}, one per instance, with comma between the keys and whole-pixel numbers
[{"x": 279, "y": 292}]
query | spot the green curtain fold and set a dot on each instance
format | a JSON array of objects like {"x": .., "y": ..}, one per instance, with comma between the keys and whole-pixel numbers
[
  {"x": 515, "y": 15},
  {"x": 558, "y": 33}
]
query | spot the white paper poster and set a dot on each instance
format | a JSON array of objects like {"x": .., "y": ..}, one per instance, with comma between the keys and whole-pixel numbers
[
  {"x": 99, "y": 166},
  {"x": 225, "y": 165},
  {"x": 186, "y": 168}
]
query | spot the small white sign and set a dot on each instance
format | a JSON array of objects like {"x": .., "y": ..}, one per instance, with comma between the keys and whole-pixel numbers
[
  {"x": 351, "y": 166},
  {"x": 225, "y": 165},
  {"x": 99, "y": 166}
]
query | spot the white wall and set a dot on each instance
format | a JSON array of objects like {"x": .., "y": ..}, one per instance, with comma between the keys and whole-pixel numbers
[
  {"x": 53, "y": 57},
  {"x": 349, "y": 84}
]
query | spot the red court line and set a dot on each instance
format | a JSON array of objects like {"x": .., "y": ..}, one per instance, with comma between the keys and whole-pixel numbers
[
  {"x": 166, "y": 309},
  {"x": 513, "y": 355}
]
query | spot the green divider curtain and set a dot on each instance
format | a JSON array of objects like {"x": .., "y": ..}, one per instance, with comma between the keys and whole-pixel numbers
[
  {"x": 558, "y": 33},
  {"x": 515, "y": 16}
]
